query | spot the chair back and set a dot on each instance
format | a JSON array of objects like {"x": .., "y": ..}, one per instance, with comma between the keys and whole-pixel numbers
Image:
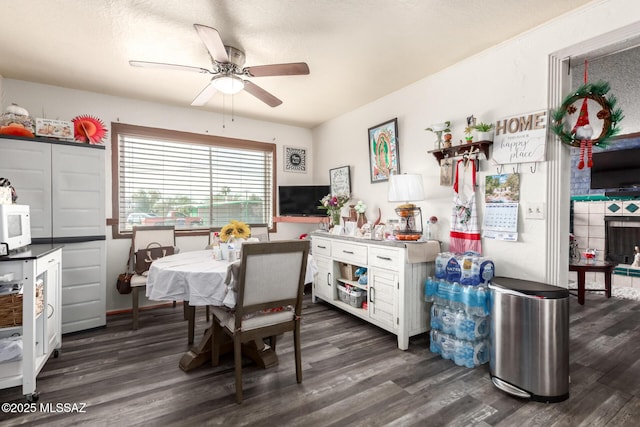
[
  {"x": 142, "y": 236},
  {"x": 260, "y": 232},
  {"x": 271, "y": 276}
]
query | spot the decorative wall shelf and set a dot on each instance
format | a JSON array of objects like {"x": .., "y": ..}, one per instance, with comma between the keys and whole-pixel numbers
[{"x": 459, "y": 150}]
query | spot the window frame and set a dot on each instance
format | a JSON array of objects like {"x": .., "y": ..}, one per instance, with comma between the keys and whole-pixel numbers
[{"x": 177, "y": 136}]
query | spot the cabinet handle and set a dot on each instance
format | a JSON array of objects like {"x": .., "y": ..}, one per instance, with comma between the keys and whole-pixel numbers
[
  {"x": 328, "y": 279},
  {"x": 348, "y": 252},
  {"x": 52, "y": 311},
  {"x": 322, "y": 247},
  {"x": 372, "y": 295},
  {"x": 386, "y": 258}
]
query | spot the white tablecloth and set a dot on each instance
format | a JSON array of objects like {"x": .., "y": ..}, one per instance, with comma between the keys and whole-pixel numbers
[{"x": 195, "y": 277}]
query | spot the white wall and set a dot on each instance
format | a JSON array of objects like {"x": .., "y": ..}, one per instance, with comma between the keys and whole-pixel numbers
[
  {"x": 64, "y": 104},
  {"x": 506, "y": 80}
]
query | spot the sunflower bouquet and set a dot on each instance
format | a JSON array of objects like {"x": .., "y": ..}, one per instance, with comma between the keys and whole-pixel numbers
[{"x": 235, "y": 229}]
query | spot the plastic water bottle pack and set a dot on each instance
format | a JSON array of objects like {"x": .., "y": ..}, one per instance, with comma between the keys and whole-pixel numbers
[{"x": 460, "y": 309}]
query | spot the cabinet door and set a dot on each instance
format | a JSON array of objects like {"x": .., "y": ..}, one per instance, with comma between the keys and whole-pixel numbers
[
  {"x": 323, "y": 281},
  {"x": 78, "y": 187},
  {"x": 383, "y": 303},
  {"x": 27, "y": 164},
  {"x": 49, "y": 271}
]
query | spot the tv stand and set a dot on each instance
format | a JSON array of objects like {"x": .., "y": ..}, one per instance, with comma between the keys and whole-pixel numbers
[{"x": 302, "y": 219}]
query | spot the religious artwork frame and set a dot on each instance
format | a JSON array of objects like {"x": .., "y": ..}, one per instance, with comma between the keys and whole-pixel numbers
[
  {"x": 384, "y": 156},
  {"x": 295, "y": 159},
  {"x": 340, "y": 180}
]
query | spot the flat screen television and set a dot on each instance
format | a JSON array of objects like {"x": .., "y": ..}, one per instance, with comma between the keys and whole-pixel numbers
[
  {"x": 616, "y": 170},
  {"x": 301, "y": 200}
]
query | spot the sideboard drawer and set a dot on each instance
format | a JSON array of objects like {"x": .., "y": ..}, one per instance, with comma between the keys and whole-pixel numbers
[
  {"x": 386, "y": 258},
  {"x": 320, "y": 247},
  {"x": 349, "y": 253}
]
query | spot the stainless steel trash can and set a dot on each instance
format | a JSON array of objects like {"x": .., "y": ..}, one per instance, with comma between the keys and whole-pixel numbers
[{"x": 529, "y": 354}]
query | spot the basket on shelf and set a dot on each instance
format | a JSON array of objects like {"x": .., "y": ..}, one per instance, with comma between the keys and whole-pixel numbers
[{"x": 11, "y": 307}]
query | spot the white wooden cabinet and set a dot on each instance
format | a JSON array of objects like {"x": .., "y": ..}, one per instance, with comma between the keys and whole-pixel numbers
[
  {"x": 41, "y": 333},
  {"x": 396, "y": 275},
  {"x": 64, "y": 185}
]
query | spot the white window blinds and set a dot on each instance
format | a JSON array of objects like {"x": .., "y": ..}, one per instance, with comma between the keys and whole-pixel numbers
[{"x": 192, "y": 185}]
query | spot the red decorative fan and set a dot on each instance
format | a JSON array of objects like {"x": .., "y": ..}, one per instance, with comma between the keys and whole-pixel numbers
[{"x": 89, "y": 129}]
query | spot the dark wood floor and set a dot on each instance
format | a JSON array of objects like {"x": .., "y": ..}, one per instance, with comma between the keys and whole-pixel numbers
[{"x": 353, "y": 375}]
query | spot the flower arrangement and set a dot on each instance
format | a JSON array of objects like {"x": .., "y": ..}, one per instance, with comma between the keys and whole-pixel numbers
[
  {"x": 360, "y": 207},
  {"x": 333, "y": 205},
  {"x": 235, "y": 229}
]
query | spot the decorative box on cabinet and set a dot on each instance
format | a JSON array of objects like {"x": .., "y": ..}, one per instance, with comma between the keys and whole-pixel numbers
[
  {"x": 41, "y": 332},
  {"x": 395, "y": 286}
]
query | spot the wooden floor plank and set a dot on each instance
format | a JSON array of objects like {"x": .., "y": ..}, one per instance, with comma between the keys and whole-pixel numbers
[{"x": 353, "y": 375}]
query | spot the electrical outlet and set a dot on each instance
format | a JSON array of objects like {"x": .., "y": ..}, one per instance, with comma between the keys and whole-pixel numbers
[{"x": 534, "y": 210}]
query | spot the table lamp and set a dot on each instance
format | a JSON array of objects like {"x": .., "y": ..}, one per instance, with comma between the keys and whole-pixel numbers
[{"x": 407, "y": 188}]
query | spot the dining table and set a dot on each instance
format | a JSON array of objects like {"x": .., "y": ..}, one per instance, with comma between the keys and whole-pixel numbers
[{"x": 197, "y": 279}]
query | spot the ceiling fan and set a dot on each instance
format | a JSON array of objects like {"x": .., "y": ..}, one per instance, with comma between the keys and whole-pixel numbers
[{"x": 228, "y": 70}]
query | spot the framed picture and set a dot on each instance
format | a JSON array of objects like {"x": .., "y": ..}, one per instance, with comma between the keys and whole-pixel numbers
[
  {"x": 446, "y": 172},
  {"x": 295, "y": 159},
  {"x": 383, "y": 150},
  {"x": 340, "y": 180}
]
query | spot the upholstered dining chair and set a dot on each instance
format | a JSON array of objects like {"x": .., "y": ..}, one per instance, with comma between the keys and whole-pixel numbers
[
  {"x": 269, "y": 285},
  {"x": 142, "y": 236},
  {"x": 260, "y": 232}
]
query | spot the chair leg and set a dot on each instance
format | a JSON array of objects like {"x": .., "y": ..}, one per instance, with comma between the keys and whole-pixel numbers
[
  {"x": 296, "y": 343},
  {"x": 208, "y": 314},
  {"x": 134, "y": 306},
  {"x": 237, "y": 356},
  {"x": 216, "y": 340},
  {"x": 185, "y": 304},
  {"x": 272, "y": 342}
]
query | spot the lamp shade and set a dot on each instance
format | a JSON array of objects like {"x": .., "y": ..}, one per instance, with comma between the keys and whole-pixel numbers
[
  {"x": 228, "y": 84},
  {"x": 405, "y": 188}
]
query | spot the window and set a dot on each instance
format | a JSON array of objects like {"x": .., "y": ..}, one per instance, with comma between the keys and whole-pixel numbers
[{"x": 189, "y": 180}]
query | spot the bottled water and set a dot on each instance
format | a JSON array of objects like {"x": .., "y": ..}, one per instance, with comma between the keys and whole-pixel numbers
[
  {"x": 486, "y": 271},
  {"x": 455, "y": 296},
  {"x": 447, "y": 346},
  {"x": 443, "y": 293},
  {"x": 466, "y": 270},
  {"x": 475, "y": 271},
  {"x": 434, "y": 343},
  {"x": 448, "y": 321},
  {"x": 436, "y": 317},
  {"x": 471, "y": 353},
  {"x": 453, "y": 269},
  {"x": 441, "y": 261},
  {"x": 430, "y": 289},
  {"x": 470, "y": 328},
  {"x": 478, "y": 305}
]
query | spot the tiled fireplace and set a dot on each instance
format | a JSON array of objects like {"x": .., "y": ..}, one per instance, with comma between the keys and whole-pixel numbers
[{"x": 612, "y": 227}]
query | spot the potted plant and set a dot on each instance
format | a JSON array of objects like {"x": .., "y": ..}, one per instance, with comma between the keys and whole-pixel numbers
[
  {"x": 439, "y": 129},
  {"x": 485, "y": 131}
]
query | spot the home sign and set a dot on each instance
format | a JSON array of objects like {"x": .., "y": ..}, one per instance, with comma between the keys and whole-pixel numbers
[{"x": 521, "y": 138}]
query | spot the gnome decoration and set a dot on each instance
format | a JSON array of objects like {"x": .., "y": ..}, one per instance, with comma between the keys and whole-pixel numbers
[{"x": 583, "y": 133}]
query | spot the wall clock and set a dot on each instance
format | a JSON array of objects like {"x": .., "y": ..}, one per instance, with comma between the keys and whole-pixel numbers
[{"x": 295, "y": 159}]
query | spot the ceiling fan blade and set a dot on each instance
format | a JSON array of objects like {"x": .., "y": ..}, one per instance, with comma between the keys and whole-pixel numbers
[
  {"x": 205, "y": 95},
  {"x": 292, "y": 69},
  {"x": 211, "y": 39},
  {"x": 261, "y": 94},
  {"x": 146, "y": 64}
]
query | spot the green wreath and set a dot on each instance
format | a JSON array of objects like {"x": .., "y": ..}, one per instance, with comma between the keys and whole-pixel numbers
[{"x": 609, "y": 114}]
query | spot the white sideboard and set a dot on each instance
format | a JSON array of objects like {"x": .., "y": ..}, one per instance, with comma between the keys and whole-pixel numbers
[
  {"x": 396, "y": 275},
  {"x": 41, "y": 332}
]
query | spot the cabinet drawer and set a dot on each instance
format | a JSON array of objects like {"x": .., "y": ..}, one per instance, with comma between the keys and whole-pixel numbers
[
  {"x": 320, "y": 247},
  {"x": 387, "y": 258},
  {"x": 349, "y": 253}
]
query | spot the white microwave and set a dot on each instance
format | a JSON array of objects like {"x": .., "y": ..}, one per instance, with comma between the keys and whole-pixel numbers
[{"x": 15, "y": 226}]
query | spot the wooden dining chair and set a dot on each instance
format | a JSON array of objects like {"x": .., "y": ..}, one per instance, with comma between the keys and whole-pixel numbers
[
  {"x": 260, "y": 231},
  {"x": 141, "y": 237},
  {"x": 269, "y": 285}
]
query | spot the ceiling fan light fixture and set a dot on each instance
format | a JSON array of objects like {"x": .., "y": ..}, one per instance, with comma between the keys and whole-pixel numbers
[{"x": 229, "y": 85}]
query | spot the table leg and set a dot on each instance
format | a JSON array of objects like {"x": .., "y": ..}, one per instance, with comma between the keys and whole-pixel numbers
[
  {"x": 201, "y": 353},
  {"x": 607, "y": 283},
  {"x": 581, "y": 286},
  {"x": 190, "y": 316}
]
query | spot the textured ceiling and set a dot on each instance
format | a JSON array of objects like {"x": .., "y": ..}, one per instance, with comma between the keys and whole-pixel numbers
[{"x": 357, "y": 50}]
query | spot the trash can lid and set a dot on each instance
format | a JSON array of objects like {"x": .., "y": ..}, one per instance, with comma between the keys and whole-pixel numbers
[{"x": 530, "y": 288}]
